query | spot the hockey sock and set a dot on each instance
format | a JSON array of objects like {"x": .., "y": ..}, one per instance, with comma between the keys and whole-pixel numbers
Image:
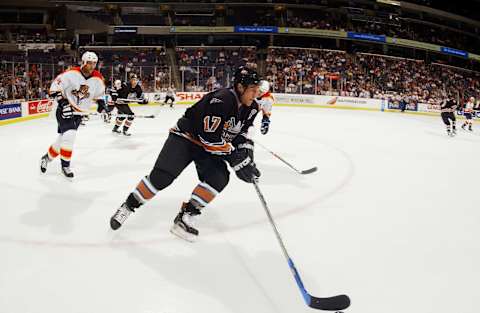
[
  {"x": 118, "y": 122},
  {"x": 52, "y": 153},
  {"x": 54, "y": 149},
  {"x": 202, "y": 195},
  {"x": 68, "y": 138},
  {"x": 128, "y": 123},
  {"x": 142, "y": 193}
]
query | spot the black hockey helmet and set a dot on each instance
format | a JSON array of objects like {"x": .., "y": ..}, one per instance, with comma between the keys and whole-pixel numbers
[{"x": 245, "y": 76}]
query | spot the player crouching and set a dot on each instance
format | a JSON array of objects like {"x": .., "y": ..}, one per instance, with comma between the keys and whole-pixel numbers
[{"x": 122, "y": 94}]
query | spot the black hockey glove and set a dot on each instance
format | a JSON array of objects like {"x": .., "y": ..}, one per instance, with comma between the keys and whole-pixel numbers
[
  {"x": 243, "y": 165},
  {"x": 67, "y": 110},
  {"x": 265, "y": 125},
  {"x": 247, "y": 145},
  {"x": 63, "y": 105}
]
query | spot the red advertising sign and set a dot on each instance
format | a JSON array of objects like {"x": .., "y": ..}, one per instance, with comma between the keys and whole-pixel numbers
[
  {"x": 189, "y": 96},
  {"x": 39, "y": 106}
]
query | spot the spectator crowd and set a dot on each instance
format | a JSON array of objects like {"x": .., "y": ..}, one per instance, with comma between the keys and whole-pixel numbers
[{"x": 290, "y": 70}]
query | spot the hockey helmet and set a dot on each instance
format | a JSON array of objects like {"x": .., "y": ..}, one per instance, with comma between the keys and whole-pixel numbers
[
  {"x": 89, "y": 56},
  {"x": 245, "y": 76},
  {"x": 264, "y": 87}
]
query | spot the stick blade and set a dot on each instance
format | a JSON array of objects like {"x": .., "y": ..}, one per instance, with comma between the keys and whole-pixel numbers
[
  {"x": 309, "y": 171},
  {"x": 335, "y": 303}
]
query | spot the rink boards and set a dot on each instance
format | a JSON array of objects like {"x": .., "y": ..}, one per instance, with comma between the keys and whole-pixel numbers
[{"x": 19, "y": 110}]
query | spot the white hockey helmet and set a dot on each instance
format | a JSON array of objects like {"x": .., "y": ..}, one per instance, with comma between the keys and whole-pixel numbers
[
  {"x": 117, "y": 84},
  {"x": 264, "y": 87},
  {"x": 89, "y": 56}
]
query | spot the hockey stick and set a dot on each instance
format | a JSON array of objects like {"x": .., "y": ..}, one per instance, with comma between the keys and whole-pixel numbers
[
  {"x": 335, "y": 303},
  {"x": 307, "y": 171},
  {"x": 138, "y": 101},
  {"x": 113, "y": 114}
]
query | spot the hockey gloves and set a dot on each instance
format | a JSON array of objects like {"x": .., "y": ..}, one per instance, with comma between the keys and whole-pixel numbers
[
  {"x": 265, "y": 125},
  {"x": 243, "y": 165},
  {"x": 63, "y": 104},
  {"x": 247, "y": 145},
  {"x": 67, "y": 110}
]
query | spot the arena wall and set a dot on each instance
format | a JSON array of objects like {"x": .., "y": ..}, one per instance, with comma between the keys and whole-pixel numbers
[{"x": 18, "y": 110}]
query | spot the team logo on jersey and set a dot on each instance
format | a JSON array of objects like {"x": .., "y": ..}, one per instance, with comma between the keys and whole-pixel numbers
[
  {"x": 231, "y": 129},
  {"x": 229, "y": 124},
  {"x": 82, "y": 92}
]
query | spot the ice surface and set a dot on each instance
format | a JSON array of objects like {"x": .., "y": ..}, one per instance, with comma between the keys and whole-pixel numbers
[{"x": 390, "y": 218}]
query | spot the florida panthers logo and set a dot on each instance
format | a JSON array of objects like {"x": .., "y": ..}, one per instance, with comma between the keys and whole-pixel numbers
[{"x": 82, "y": 92}]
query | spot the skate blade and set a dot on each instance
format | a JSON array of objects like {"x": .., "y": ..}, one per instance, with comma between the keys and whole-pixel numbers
[
  {"x": 180, "y": 233},
  {"x": 69, "y": 179}
]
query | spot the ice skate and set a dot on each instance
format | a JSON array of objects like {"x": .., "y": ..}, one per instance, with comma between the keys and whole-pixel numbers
[
  {"x": 67, "y": 172},
  {"x": 115, "y": 130},
  {"x": 184, "y": 223},
  {"x": 120, "y": 216},
  {"x": 44, "y": 163}
]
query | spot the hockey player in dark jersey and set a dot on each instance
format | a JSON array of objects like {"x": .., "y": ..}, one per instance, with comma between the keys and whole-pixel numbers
[
  {"x": 211, "y": 133},
  {"x": 120, "y": 94},
  {"x": 448, "y": 108}
]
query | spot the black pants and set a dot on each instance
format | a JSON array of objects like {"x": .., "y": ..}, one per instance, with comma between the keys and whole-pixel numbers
[
  {"x": 447, "y": 116},
  {"x": 177, "y": 153},
  {"x": 124, "y": 109},
  {"x": 169, "y": 98}
]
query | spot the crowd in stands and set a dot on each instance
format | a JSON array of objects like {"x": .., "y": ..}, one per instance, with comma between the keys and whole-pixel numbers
[
  {"x": 328, "y": 72},
  {"x": 206, "y": 69},
  {"x": 290, "y": 70}
]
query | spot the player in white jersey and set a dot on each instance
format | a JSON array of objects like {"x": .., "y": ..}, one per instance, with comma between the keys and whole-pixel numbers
[
  {"x": 265, "y": 101},
  {"x": 73, "y": 91},
  {"x": 170, "y": 95},
  {"x": 468, "y": 113}
]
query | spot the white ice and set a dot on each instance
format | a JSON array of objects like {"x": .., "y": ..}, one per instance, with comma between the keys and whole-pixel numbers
[{"x": 390, "y": 218}]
